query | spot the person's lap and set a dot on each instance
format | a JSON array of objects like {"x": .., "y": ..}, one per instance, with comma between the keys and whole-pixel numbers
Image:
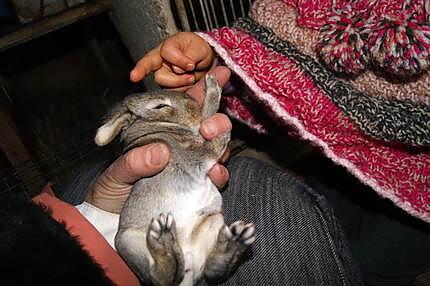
[
  {"x": 299, "y": 241},
  {"x": 391, "y": 247}
]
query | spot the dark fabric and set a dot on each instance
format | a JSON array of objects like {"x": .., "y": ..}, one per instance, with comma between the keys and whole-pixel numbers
[
  {"x": 75, "y": 189},
  {"x": 391, "y": 247},
  {"x": 388, "y": 120},
  {"x": 37, "y": 250},
  {"x": 299, "y": 241}
]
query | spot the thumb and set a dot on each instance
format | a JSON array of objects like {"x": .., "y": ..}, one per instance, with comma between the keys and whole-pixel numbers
[{"x": 140, "y": 162}]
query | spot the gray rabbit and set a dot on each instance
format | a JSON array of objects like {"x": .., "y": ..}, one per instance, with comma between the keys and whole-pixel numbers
[{"x": 171, "y": 230}]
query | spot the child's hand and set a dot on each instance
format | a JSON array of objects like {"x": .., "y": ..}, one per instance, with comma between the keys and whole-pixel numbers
[{"x": 178, "y": 62}]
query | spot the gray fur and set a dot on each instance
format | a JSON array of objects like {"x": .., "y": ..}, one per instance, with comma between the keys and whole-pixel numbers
[{"x": 171, "y": 229}]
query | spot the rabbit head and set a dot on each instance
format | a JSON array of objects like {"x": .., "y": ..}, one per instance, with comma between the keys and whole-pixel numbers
[{"x": 141, "y": 117}]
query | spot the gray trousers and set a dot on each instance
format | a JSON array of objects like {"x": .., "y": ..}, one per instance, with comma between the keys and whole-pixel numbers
[{"x": 299, "y": 241}]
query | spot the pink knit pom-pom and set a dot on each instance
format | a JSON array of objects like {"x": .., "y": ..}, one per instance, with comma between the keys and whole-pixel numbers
[
  {"x": 342, "y": 45},
  {"x": 400, "y": 44}
]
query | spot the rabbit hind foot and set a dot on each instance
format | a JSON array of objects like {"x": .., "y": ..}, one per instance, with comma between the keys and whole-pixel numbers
[
  {"x": 168, "y": 267},
  {"x": 232, "y": 242}
]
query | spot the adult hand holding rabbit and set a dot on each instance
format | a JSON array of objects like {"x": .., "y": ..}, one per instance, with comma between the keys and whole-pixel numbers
[{"x": 111, "y": 189}]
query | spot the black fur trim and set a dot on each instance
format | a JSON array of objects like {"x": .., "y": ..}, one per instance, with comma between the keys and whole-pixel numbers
[{"x": 37, "y": 250}]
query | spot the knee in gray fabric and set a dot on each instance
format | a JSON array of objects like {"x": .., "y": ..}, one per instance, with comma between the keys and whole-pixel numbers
[
  {"x": 292, "y": 222},
  {"x": 253, "y": 172}
]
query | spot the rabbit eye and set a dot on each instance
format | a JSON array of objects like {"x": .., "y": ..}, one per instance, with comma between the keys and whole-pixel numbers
[{"x": 160, "y": 106}]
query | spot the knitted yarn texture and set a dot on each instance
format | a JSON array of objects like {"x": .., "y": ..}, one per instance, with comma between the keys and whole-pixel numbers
[
  {"x": 283, "y": 20},
  {"x": 390, "y": 35},
  {"x": 296, "y": 91},
  {"x": 389, "y": 120}
]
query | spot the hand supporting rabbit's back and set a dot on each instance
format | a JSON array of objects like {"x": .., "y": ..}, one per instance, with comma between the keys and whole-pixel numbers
[{"x": 171, "y": 227}]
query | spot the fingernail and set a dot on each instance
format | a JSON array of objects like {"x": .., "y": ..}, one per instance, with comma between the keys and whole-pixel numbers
[
  {"x": 219, "y": 175},
  {"x": 209, "y": 128},
  {"x": 191, "y": 79},
  {"x": 132, "y": 74},
  {"x": 190, "y": 66},
  {"x": 178, "y": 70},
  {"x": 157, "y": 154}
]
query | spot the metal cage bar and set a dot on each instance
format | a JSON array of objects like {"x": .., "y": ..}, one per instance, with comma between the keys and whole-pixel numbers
[{"x": 198, "y": 15}]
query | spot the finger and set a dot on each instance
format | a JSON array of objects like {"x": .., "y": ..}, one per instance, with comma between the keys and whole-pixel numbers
[
  {"x": 219, "y": 175},
  {"x": 152, "y": 61},
  {"x": 225, "y": 156},
  {"x": 205, "y": 63},
  {"x": 198, "y": 50},
  {"x": 166, "y": 78},
  {"x": 198, "y": 75},
  {"x": 178, "y": 70},
  {"x": 201, "y": 55},
  {"x": 140, "y": 162},
  {"x": 215, "y": 126},
  {"x": 184, "y": 88},
  {"x": 187, "y": 51},
  {"x": 172, "y": 52},
  {"x": 222, "y": 74}
]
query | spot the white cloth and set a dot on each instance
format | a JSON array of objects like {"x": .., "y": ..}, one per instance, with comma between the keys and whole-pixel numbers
[{"x": 105, "y": 222}]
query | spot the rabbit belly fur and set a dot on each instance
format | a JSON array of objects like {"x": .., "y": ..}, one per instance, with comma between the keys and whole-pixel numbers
[
  {"x": 195, "y": 204},
  {"x": 198, "y": 224}
]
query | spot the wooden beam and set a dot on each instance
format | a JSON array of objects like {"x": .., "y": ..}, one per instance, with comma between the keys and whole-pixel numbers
[{"x": 51, "y": 23}]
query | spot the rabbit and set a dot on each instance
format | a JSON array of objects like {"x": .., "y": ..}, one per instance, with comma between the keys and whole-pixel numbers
[{"x": 171, "y": 229}]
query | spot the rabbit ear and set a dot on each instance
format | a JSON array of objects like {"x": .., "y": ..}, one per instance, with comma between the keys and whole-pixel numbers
[
  {"x": 212, "y": 97},
  {"x": 108, "y": 131}
]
